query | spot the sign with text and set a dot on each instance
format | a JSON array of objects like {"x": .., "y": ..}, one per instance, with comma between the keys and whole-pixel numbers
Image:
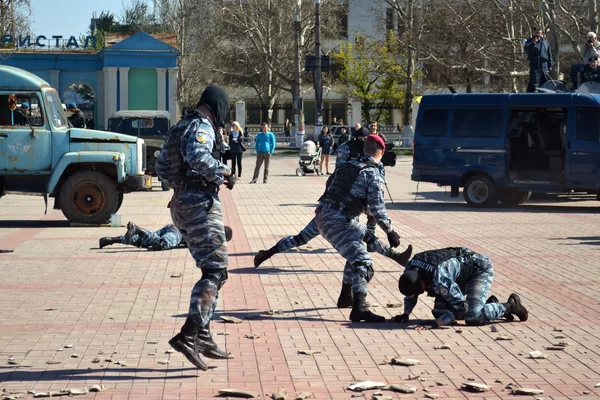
[{"x": 41, "y": 41}]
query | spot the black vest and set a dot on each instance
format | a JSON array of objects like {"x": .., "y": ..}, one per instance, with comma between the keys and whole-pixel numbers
[
  {"x": 337, "y": 192},
  {"x": 427, "y": 263},
  {"x": 178, "y": 167}
]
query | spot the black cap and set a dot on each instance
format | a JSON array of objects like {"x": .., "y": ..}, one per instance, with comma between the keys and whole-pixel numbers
[
  {"x": 362, "y": 132},
  {"x": 408, "y": 284},
  {"x": 217, "y": 100}
]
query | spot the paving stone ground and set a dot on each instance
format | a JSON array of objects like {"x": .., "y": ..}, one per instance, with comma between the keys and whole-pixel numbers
[{"x": 121, "y": 303}]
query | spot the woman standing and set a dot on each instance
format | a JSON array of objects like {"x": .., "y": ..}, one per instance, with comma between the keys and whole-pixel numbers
[
  {"x": 236, "y": 147},
  {"x": 224, "y": 145},
  {"x": 326, "y": 142}
]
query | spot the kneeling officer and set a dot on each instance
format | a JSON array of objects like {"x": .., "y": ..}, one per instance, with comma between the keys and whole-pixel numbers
[{"x": 448, "y": 273}]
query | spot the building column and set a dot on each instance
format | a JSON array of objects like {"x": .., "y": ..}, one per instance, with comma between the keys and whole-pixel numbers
[
  {"x": 357, "y": 113},
  {"x": 55, "y": 79},
  {"x": 110, "y": 92},
  {"x": 100, "y": 100},
  {"x": 161, "y": 84},
  {"x": 124, "y": 87},
  {"x": 173, "y": 112}
]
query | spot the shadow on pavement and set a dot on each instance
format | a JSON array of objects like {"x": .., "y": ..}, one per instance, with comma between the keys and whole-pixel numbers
[
  {"x": 311, "y": 205},
  {"x": 585, "y": 240},
  {"x": 120, "y": 374},
  {"x": 282, "y": 271},
  {"x": 463, "y": 207},
  {"x": 22, "y": 223}
]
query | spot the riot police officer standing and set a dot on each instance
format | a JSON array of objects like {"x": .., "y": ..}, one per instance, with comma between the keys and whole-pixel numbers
[{"x": 189, "y": 162}]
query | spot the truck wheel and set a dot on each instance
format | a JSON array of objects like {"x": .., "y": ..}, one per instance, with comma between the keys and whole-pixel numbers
[
  {"x": 480, "y": 191},
  {"x": 513, "y": 197},
  {"x": 120, "y": 202},
  {"x": 89, "y": 197}
]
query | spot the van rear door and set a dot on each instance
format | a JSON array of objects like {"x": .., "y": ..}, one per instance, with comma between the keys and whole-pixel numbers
[
  {"x": 431, "y": 146},
  {"x": 583, "y": 149}
]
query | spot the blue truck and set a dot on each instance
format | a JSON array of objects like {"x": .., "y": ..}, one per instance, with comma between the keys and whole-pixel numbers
[
  {"x": 87, "y": 172},
  {"x": 503, "y": 147}
]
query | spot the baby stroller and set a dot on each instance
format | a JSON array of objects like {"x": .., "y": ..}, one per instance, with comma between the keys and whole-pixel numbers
[{"x": 310, "y": 159}]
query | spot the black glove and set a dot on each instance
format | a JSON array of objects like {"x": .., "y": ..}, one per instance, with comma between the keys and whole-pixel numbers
[
  {"x": 231, "y": 180},
  {"x": 393, "y": 239},
  {"x": 403, "y": 318},
  {"x": 460, "y": 310}
]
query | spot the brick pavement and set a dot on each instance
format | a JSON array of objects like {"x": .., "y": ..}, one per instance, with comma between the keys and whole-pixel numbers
[{"x": 122, "y": 303}]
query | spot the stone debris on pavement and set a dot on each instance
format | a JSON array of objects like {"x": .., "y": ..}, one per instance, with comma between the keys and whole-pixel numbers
[
  {"x": 432, "y": 395},
  {"x": 239, "y": 393},
  {"x": 309, "y": 352},
  {"x": 394, "y": 305},
  {"x": 476, "y": 387},
  {"x": 252, "y": 336},
  {"x": 163, "y": 362},
  {"x": 407, "y": 362},
  {"x": 493, "y": 328},
  {"x": 231, "y": 320},
  {"x": 222, "y": 333},
  {"x": 279, "y": 396},
  {"x": 303, "y": 396},
  {"x": 366, "y": 385},
  {"x": 178, "y": 275},
  {"x": 504, "y": 337},
  {"x": 69, "y": 392},
  {"x": 537, "y": 355},
  {"x": 526, "y": 391},
  {"x": 381, "y": 397},
  {"x": 559, "y": 348},
  {"x": 442, "y": 347},
  {"x": 403, "y": 388}
]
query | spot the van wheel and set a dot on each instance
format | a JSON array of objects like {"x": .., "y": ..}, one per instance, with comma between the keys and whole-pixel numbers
[
  {"x": 89, "y": 197},
  {"x": 480, "y": 191},
  {"x": 513, "y": 197}
]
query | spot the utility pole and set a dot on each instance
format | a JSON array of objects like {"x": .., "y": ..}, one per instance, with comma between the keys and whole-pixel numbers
[
  {"x": 318, "y": 77},
  {"x": 298, "y": 126}
]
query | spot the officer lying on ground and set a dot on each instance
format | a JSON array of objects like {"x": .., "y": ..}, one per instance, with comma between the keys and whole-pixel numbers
[
  {"x": 461, "y": 280},
  {"x": 166, "y": 238}
]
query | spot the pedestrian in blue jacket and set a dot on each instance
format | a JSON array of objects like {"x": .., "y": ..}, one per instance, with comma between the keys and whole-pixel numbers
[{"x": 265, "y": 146}]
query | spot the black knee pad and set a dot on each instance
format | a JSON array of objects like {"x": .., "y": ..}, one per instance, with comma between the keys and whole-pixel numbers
[
  {"x": 217, "y": 277},
  {"x": 370, "y": 271}
]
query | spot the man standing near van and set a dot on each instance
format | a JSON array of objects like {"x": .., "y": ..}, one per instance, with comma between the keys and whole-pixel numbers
[
  {"x": 591, "y": 48},
  {"x": 591, "y": 72},
  {"x": 265, "y": 146},
  {"x": 540, "y": 59}
]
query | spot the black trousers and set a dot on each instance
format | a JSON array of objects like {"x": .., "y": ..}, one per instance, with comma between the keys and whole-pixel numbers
[{"x": 236, "y": 160}]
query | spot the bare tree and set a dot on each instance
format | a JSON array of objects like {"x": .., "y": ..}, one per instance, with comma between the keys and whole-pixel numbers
[{"x": 15, "y": 17}]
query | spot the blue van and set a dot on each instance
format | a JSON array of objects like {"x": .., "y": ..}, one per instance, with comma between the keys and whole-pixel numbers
[{"x": 502, "y": 147}]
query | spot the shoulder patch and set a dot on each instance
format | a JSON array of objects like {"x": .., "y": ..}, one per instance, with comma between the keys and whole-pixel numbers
[{"x": 201, "y": 136}]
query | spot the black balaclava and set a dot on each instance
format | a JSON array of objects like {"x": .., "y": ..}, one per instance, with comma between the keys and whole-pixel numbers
[
  {"x": 362, "y": 132},
  {"x": 409, "y": 284},
  {"x": 217, "y": 100}
]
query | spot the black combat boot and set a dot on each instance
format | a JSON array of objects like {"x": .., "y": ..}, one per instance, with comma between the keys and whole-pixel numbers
[
  {"x": 107, "y": 241},
  {"x": 494, "y": 299},
  {"x": 360, "y": 310},
  {"x": 346, "y": 298},
  {"x": 513, "y": 306},
  {"x": 132, "y": 229},
  {"x": 228, "y": 233},
  {"x": 207, "y": 347},
  {"x": 401, "y": 258},
  {"x": 262, "y": 256},
  {"x": 186, "y": 342}
]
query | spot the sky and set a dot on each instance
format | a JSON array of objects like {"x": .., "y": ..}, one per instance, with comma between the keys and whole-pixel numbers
[{"x": 68, "y": 17}]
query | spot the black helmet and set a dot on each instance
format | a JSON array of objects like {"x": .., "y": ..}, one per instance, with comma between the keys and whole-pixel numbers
[
  {"x": 409, "y": 284},
  {"x": 217, "y": 100},
  {"x": 361, "y": 133}
]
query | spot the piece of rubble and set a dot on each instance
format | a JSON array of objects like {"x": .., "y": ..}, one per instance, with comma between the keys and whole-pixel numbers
[
  {"x": 121, "y": 363},
  {"x": 407, "y": 362},
  {"x": 270, "y": 312},
  {"x": 432, "y": 395},
  {"x": 239, "y": 393},
  {"x": 527, "y": 392},
  {"x": 309, "y": 352},
  {"x": 374, "y": 305},
  {"x": 442, "y": 347},
  {"x": 68, "y": 346},
  {"x": 497, "y": 381},
  {"x": 504, "y": 337},
  {"x": 560, "y": 337},
  {"x": 108, "y": 360},
  {"x": 231, "y": 320},
  {"x": 394, "y": 305},
  {"x": 403, "y": 388},
  {"x": 74, "y": 355},
  {"x": 557, "y": 330},
  {"x": 476, "y": 387},
  {"x": 459, "y": 331},
  {"x": 381, "y": 397},
  {"x": 586, "y": 392},
  {"x": 303, "y": 396},
  {"x": 493, "y": 328},
  {"x": 537, "y": 355},
  {"x": 413, "y": 377},
  {"x": 471, "y": 379},
  {"x": 440, "y": 383},
  {"x": 96, "y": 360},
  {"x": 366, "y": 385},
  {"x": 52, "y": 362},
  {"x": 252, "y": 336},
  {"x": 169, "y": 351},
  {"x": 163, "y": 362},
  {"x": 50, "y": 309},
  {"x": 510, "y": 386},
  {"x": 422, "y": 380},
  {"x": 443, "y": 371},
  {"x": 279, "y": 312},
  {"x": 561, "y": 344},
  {"x": 179, "y": 275},
  {"x": 97, "y": 388},
  {"x": 559, "y": 348},
  {"x": 279, "y": 396},
  {"x": 222, "y": 333},
  {"x": 597, "y": 385},
  {"x": 78, "y": 391}
]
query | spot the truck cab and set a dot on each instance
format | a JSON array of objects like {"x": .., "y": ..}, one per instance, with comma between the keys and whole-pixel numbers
[
  {"x": 503, "y": 147},
  {"x": 87, "y": 172}
]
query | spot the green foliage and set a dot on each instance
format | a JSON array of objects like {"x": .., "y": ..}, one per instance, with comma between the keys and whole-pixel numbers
[{"x": 372, "y": 73}]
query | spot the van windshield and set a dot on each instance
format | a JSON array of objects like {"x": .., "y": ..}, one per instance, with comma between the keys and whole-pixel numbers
[{"x": 55, "y": 110}]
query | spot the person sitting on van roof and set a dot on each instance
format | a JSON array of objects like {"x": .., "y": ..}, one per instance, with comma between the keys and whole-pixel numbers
[
  {"x": 77, "y": 118},
  {"x": 591, "y": 72}
]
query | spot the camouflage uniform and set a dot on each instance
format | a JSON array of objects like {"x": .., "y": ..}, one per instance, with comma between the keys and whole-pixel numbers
[
  {"x": 464, "y": 278},
  {"x": 337, "y": 221},
  {"x": 189, "y": 162},
  {"x": 166, "y": 238}
]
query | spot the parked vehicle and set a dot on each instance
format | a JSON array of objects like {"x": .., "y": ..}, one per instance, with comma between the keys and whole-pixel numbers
[
  {"x": 85, "y": 171},
  {"x": 502, "y": 147}
]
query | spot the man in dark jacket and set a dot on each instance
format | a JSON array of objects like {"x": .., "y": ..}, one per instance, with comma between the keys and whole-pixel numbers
[
  {"x": 591, "y": 72},
  {"x": 77, "y": 119},
  {"x": 540, "y": 59}
]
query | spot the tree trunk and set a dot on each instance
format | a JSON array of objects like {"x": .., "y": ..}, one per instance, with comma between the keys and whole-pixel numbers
[
  {"x": 554, "y": 39},
  {"x": 593, "y": 15},
  {"x": 410, "y": 66}
]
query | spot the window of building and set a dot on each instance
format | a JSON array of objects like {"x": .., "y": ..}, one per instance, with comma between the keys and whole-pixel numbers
[
  {"x": 434, "y": 123},
  {"x": 587, "y": 124},
  {"x": 478, "y": 123}
]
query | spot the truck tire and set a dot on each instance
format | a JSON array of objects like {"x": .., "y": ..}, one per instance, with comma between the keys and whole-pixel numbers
[
  {"x": 479, "y": 191},
  {"x": 89, "y": 197},
  {"x": 120, "y": 202},
  {"x": 513, "y": 197}
]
